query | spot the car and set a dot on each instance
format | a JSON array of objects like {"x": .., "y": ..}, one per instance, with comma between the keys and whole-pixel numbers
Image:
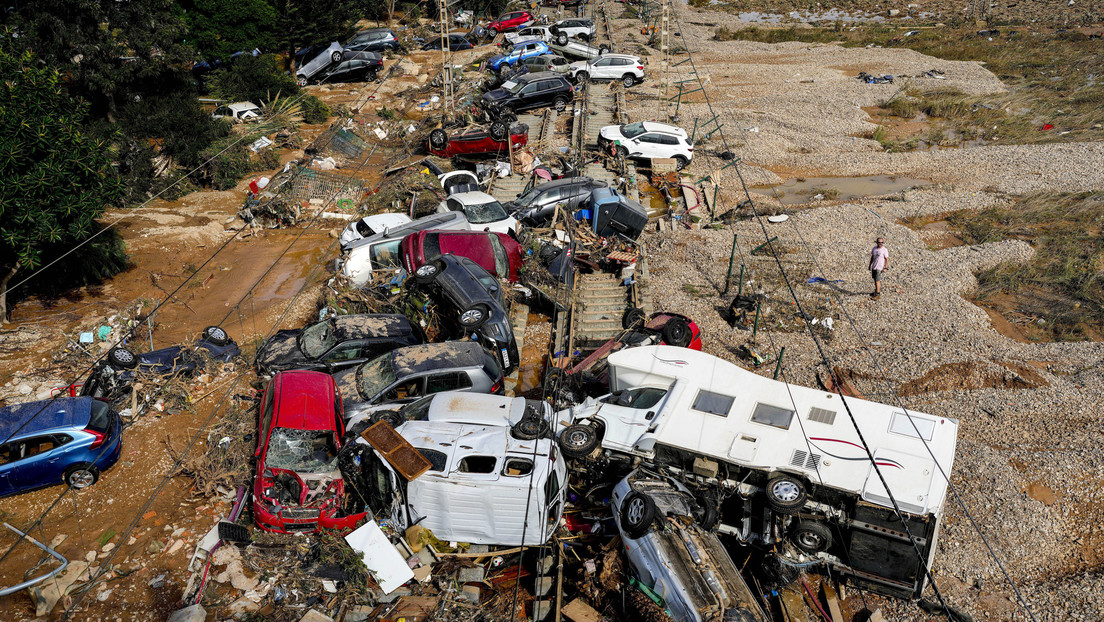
[
  {"x": 520, "y": 52},
  {"x": 536, "y": 205},
  {"x": 577, "y": 27},
  {"x": 497, "y": 253},
  {"x": 457, "y": 41},
  {"x": 239, "y": 112},
  {"x": 648, "y": 140},
  {"x": 67, "y": 440},
  {"x": 364, "y": 68},
  {"x": 477, "y": 141},
  {"x": 298, "y": 486},
  {"x": 470, "y": 302},
  {"x": 666, "y": 532},
  {"x": 547, "y": 62},
  {"x": 336, "y": 343},
  {"x": 527, "y": 92},
  {"x": 369, "y": 226},
  {"x": 381, "y": 251},
  {"x": 579, "y": 49},
  {"x": 529, "y": 33},
  {"x": 509, "y": 21},
  {"x": 406, "y": 374},
  {"x": 371, "y": 40},
  {"x": 481, "y": 210},
  {"x": 628, "y": 69},
  {"x": 315, "y": 59},
  {"x": 457, "y": 407}
]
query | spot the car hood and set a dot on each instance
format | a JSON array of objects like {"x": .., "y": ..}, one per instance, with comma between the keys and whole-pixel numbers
[
  {"x": 495, "y": 96},
  {"x": 280, "y": 351},
  {"x": 580, "y": 65},
  {"x": 495, "y": 60},
  {"x": 611, "y": 132},
  {"x": 347, "y": 385}
]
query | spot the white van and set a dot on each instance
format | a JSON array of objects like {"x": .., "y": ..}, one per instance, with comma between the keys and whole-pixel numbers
[{"x": 786, "y": 451}]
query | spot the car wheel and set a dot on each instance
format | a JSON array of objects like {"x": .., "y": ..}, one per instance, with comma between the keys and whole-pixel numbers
[
  {"x": 811, "y": 536},
  {"x": 122, "y": 358},
  {"x": 81, "y": 476},
  {"x": 579, "y": 440},
  {"x": 392, "y": 417},
  {"x": 507, "y": 115},
  {"x": 681, "y": 162},
  {"x": 622, "y": 152},
  {"x": 561, "y": 39},
  {"x": 473, "y": 317},
  {"x": 638, "y": 511},
  {"x": 628, "y": 80},
  {"x": 373, "y": 76},
  {"x": 216, "y": 336},
  {"x": 530, "y": 428},
  {"x": 492, "y": 32},
  {"x": 560, "y": 104},
  {"x": 438, "y": 139},
  {"x": 710, "y": 514},
  {"x": 603, "y": 49},
  {"x": 676, "y": 332},
  {"x": 786, "y": 494},
  {"x": 633, "y": 319},
  {"x": 426, "y": 273},
  {"x": 336, "y": 57},
  {"x": 499, "y": 131},
  {"x": 301, "y": 82},
  {"x": 582, "y": 77}
]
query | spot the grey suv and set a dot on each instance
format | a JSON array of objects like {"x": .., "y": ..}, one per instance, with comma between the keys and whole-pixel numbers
[
  {"x": 372, "y": 40},
  {"x": 536, "y": 206}
]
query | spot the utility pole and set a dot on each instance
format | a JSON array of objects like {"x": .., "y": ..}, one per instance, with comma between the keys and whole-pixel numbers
[
  {"x": 665, "y": 49},
  {"x": 446, "y": 54}
]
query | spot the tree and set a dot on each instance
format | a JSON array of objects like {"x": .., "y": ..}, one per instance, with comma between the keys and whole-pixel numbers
[
  {"x": 300, "y": 23},
  {"x": 218, "y": 29},
  {"x": 55, "y": 178}
]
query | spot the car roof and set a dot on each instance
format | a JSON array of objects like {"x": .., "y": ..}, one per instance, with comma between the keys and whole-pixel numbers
[
  {"x": 237, "y": 106},
  {"x": 477, "y": 408},
  {"x": 434, "y": 356},
  {"x": 433, "y": 221},
  {"x": 472, "y": 196},
  {"x": 373, "y": 30},
  {"x": 628, "y": 56},
  {"x": 306, "y": 400},
  {"x": 542, "y": 75},
  {"x": 566, "y": 181},
  {"x": 34, "y": 417},
  {"x": 663, "y": 128},
  {"x": 372, "y": 325}
]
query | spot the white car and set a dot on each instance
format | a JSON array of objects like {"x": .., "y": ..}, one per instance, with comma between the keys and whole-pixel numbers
[
  {"x": 577, "y": 27},
  {"x": 240, "y": 112},
  {"x": 647, "y": 140},
  {"x": 370, "y": 226},
  {"x": 628, "y": 69},
  {"x": 484, "y": 212},
  {"x": 529, "y": 33},
  {"x": 383, "y": 251}
]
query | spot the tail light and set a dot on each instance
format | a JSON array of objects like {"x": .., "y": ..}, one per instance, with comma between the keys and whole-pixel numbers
[
  {"x": 99, "y": 438},
  {"x": 498, "y": 387},
  {"x": 640, "y": 67},
  {"x": 691, "y": 150}
]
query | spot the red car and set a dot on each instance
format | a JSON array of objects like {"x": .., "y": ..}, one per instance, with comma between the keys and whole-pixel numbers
[
  {"x": 509, "y": 21},
  {"x": 477, "y": 141},
  {"x": 496, "y": 253},
  {"x": 298, "y": 487}
]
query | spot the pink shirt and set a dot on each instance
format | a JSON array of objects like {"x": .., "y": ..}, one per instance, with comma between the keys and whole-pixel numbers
[{"x": 878, "y": 257}]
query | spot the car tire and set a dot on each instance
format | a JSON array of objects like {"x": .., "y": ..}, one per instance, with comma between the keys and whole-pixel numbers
[
  {"x": 811, "y": 536},
  {"x": 676, "y": 332},
  {"x": 122, "y": 358},
  {"x": 81, "y": 476},
  {"x": 622, "y": 152},
  {"x": 710, "y": 514},
  {"x": 603, "y": 49},
  {"x": 492, "y": 32},
  {"x": 561, "y": 38},
  {"x": 638, "y": 512},
  {"x": 560, "y": 104},
  {"x": 301, "y": 82},
  {"x": 681, "y": 162},
  {"x": 426, "y": 273},
  {"x": 215, "y": 336},
  {"x": 530, "y": 428},
  {"x": 579, "y": 440},
  {"x": 473, "y": 317},
  {"x": 499, "y": 131},
  {"x": 438, "y": 139},
  {"x": 392, "y": 417},
  {"x": 507, "y": 115},
  {"x": 786, "y": 494},
  {"x": 582, "y": 77},
  {"x": 628, "y": 80},
  {"x": 373, "y": 76},
  {"x": 336, "y": 57},
  {"x": 633, "y": 319}
]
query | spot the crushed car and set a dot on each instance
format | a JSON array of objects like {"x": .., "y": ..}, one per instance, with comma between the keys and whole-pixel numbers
[
  {"x": 478, "y": 141},
  {"x": 382, "y": 251},
  {"x": 482, "y": 211},
  {"x": 369, "y": 226},
  {"x": 336, "y": 343},
  {"x": 496, "y": 253}
]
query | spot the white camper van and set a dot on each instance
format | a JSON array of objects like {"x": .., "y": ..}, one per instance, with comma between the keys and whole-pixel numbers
[{"x": 785, "y": 461}]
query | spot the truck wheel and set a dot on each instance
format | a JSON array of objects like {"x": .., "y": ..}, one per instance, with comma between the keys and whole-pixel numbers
[
  {"x": 638, "y": 511},
  {"x": 786, "y": 494},
  {"x": 628, "y": 80},
  {"x": 216, "y": 336},
  {"x": 676, "y": 332},
  {"x": 122, "y": 358},
  {"x": 499, "y": 131},
  {"x": 438, "y": 139},
  {"x": 560, "y": 104},
  {"x": 633, "y": 319},
  {"x": 530, "y": 428},
  {"x": 81, "y": 476},
  {"x": 561, "y": 38},
  {"x": 578, "y": 440},
  {"x": 811, "y": 536}
]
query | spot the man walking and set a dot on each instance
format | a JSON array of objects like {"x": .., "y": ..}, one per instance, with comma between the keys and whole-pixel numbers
[{"x": 879, "y": 263}]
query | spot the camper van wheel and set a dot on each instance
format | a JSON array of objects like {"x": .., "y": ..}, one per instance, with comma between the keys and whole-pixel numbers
[
  {"x": 638, "y": 511},
  {"x": 438, "y": 139},
  {"x": 633, "y": 319},
  {"x": 785, "y": 494},
  {"x": 676, "y": 332},
  {"x": 122, "y": 358},
  {"x": 812, "y": 536},
  {"x": 499, "y": 131},
  {"x": 216, "y": 336},
  {"x": 530, "y": 428},
  {"x": 578, "y": 440}
]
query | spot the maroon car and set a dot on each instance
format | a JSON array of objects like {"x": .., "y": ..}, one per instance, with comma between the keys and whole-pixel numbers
[
  {"x": 496, "y": 253},
  {"x": 478, "y": 141}
]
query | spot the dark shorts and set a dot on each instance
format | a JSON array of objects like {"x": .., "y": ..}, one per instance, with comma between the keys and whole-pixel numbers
[{"x": 877, "y": 274}]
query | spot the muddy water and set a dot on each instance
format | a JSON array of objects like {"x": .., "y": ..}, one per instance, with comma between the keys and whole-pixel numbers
[
  {"x": 531, "y": 371},
  {"x": 802, "y": 190},
  {"x": 654, "y": 200}
]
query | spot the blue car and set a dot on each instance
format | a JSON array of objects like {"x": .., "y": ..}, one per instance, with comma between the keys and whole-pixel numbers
[
  {"x": 68, "y": 440},
  {"x": 520, "y": 52}
]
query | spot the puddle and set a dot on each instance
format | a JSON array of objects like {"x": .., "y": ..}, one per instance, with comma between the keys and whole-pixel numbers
[
  {"x": 652, "y": 199},
  {"x": 802, "y": 190},
  {"x": 530, "y": 373}
]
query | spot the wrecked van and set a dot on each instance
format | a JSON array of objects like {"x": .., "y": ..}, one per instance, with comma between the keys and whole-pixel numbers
[{"x": 794, "y": 473}]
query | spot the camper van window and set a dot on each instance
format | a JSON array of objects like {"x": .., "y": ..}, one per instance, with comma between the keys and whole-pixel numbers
[
  {"x": 902, "y": 425},
  {"x": 713, "y": 403},
  {"x": 437, "y": 460},
  {"x": 517, "y": 467},
  {"x": 551, "y": 487},
  {"x": 478, "y": 464},
  {"x": 773, "y": 416},
  {"x": 640, "y": 399}
]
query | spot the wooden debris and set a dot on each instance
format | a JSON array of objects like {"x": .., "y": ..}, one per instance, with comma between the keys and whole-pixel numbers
[
  {"x": 409, "y": 462},
  {"x": 578, "y": 611}
]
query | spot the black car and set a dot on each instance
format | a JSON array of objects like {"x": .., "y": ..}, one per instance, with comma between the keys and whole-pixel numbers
[
  {"x": 536, "y": 206},
  {"x": 471, "y": 302},
  {"x": 456, "y": 42},
  {"x": 363, "y": 68},
  {"x": 372, "y": 40},
  {"x": 336, "y": 343},
  {"x": 529, "y": 91}
]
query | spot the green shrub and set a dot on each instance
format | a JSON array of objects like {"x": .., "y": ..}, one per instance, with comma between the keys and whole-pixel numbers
[
  {"x": 314, "y": 110},
  {"x": 255, "y": 79}
]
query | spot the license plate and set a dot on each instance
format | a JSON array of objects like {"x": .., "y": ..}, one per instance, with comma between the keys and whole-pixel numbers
[{"x": 505, "y": 358}]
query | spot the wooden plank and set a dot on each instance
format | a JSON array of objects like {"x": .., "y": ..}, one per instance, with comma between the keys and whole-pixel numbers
[
  {"x": 409, "y": 462},
  {"x": 833, "y": 602},
  {"x": 578, "y": 611},
  {"x": 877, "y": 616}
]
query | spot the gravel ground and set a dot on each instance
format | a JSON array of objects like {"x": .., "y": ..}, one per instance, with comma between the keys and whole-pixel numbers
[{"x": 1028, "y": 468}]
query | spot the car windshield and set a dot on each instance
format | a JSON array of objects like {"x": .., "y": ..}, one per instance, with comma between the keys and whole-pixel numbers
[
  {"x": 417, "y": 411},
  {"x": 317, "y": 339},
  {"x": 632, "y": 130},
  {"x": 385, "y": 254},
  {"x": 375, "y": 376},
  {"x": 302, "y": 451},
  {"x": 502, "y": 262},
  {"x": 431, "y": 246},
  {"x": 481, "y": 213},
  {"x": 511, "y": 87},
  {"x": 528, "y": 197}
]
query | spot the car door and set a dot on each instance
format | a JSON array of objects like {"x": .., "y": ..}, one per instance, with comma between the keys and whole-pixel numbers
[
  {"x": 39, "y": 461},
  {"x": 601, "y": 69},
  {"x": 405, "y": 390},
  {"x": 527, "y": 96},
  {"x": 9, "y": 457},
  {"x": 647, "y": 146},
  {"x": 343, "y": 355}
]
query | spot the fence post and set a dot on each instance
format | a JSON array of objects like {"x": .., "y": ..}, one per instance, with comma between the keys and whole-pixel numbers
[
  {"x": 732, "y": 258},
  {"x": 740, "y": 291},
  {"x": 755, "y": 330},
  {"x": 778, "y": 367}
]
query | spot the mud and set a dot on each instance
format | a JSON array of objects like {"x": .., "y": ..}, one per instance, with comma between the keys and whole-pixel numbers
[{"x": 974, "y": 375}]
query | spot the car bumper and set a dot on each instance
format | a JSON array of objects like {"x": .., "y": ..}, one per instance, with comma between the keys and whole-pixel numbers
[{"x": 304, "y": 521}]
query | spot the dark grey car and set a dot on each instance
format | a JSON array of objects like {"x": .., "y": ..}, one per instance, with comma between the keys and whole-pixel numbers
[
  {"x": 336, "y": 343},
  {"x": 372, "y": 40},
  {"x": 535, "y": 207}
]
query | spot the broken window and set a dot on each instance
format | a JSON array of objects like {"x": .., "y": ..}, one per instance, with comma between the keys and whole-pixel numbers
[
  {"x": 478, "y": 464},
  {"x": 375, "y": 376},
  {"x": 517, "y": 467},
  {"x": 772, "y": 416},
  {"x": 641, "y": 398},
  {"x": 713, "y": 403},
  {"x": 438, "y": 460},
  {"x": 317, "y": 339},
  {"x": 305, "y": 451},
  {"x": 386, "y": 254}
]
